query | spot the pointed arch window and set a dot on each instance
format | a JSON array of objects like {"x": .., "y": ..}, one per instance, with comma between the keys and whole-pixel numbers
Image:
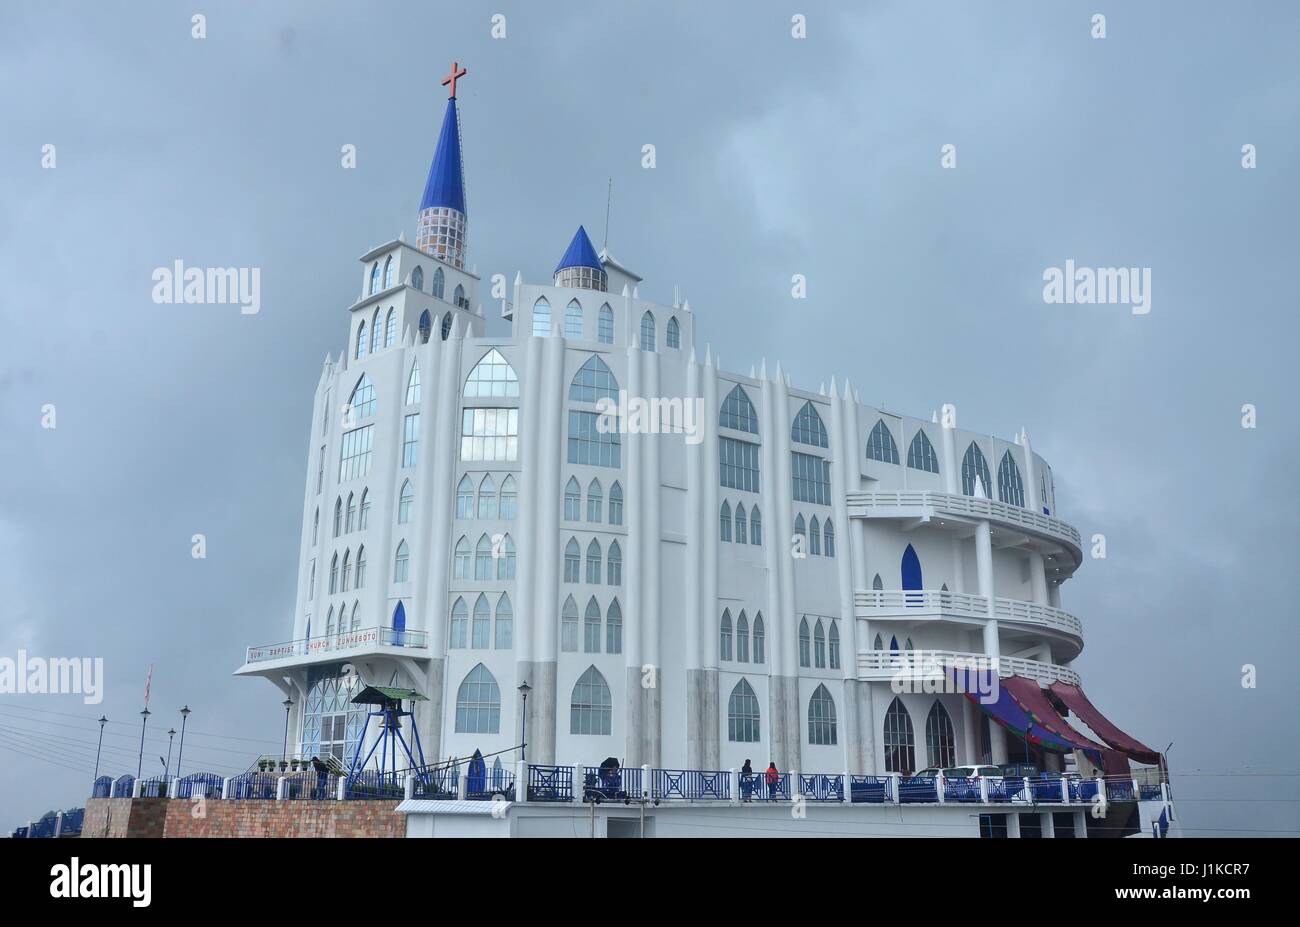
[
  {"x": 724, "y": 635},
  {"x": 465, "y": 497},
  {"x": 487, "y": 497},
  {"x": 478, "y": 703},
  {"x": 595, "y": 502},
  {"x": 808, "y": 427},
  {"x": 374, "y": 278},
  {"x": 605, "y": 325},
  {"x": 569, "y": 626},
  {"x": 975, "y": 472},
  {"x": 819, "y": 645},
  {"x": 388, "y": 273},
  {"x": 352, "y": 513},
  {"x": 390, "y": 328},
  {"x": 900, "y": 751},
  {"x": 362, "y": 340},
  {"x": 363, "y": 513},
  {"x": 593, "y": 562},
  {"x": 413, "y": 385},
  {"x": 482, "y": 626},
  {"x": 1010, "y": 487},
  {"x": 506, "y": 559},
  {"x": 614, "y": 565},
  {"x": 805, "y": 643},
  {"x": 742, "y": 531},
  {"x": 460, "y": 299},
  {"x": 760, "y": 639},
  {"x": 879, "y": 644},
  {"x": 509, "y": 499},
  {"x": 374, "y": 331},
  {"x": 402, "y": 563},
  {"x": 911, "y": 575},
  {"x": 356, "y": 617},
  {"x": 573, "y": 320},
  {"x": 361, "y": 566},
  {"x": 347, "y": 571},
  {"x": 593, "y": 381},
  {"x": 541, "y": 318},
  {"x": 738, "y": 412},
  {"x": 483, "y": 558},
  {"x": 315, "y": 527},
  {"x": 329, "y": 623},
  {"x": 940, "y": 744},
  {"x": 724, "y": 522},
  {"x": 801, "y": 532},
  {"x": 334, "y": 574},
  {"x": 616, "y": 504},
  {"x": 426, "y": 326},
  {"x": 743, "y": 719},
  {"x": 572, "y": 500},
  {"x": 444, "y": 330},
  {"x": 460, "y": 568},
  {"x": 755, "y": 527},
  {"x": 673, "y": 337},
  {"x": 505, "y": 623},
  {"x": 921, "y": 455},
  {"x": 614, "y": 628},
  {"x": 459, "y": 625},
  {"x": 591, "y": 707},
  {"x": 591, "y": 627},
  {"x": 821, "y": 717},
  {"x": 363, "y": 398},
  {"x": 880, "y": 444},
  {"x": 877, "y": 584},
  {"x": 572, "y": 561},
  {"x": 417, "y": 278},
  {"x": 742, "y": 638},
  {"x": 828, "y": 537},
  {"x": 648, "y": 332},
  {"x": 492, "y": 377},
  {"x": 835, "y": 646},
  {"x": 815, "y": 537},
  {"x": 439, "y": 283}
]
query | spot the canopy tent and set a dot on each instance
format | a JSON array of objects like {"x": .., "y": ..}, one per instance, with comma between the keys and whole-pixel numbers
[
  {"x": 1033, "y": 699},
  {"x": 1009, "y": 713},
  {"x": 1077, "y": 702}
]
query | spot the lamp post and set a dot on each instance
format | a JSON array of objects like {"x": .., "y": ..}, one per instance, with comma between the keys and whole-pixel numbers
[
  {"x": 185, "y": 714},
  {"x": 103, "y": 719},
  {"x": 167, "y": 767},
  {"x": 288, "y": 703},
  {"x": 524, "y": 689},
  {"x": 144, "y": 721}
]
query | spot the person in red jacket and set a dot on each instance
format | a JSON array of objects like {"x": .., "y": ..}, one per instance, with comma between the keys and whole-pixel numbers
[{"x": 773, "y": 780}]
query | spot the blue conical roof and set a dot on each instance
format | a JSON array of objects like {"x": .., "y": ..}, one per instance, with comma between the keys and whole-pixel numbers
[
  {"x": 445, "y": 186},
  {"x": 580, "y": 253}
]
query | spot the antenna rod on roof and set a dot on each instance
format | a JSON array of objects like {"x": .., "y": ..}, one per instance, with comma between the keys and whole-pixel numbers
[{"x": 608, "y": 197}]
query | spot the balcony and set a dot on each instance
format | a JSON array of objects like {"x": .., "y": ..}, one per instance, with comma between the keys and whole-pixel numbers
[
  {"x": 941, "y": 605},
  {"x": 331, "y": 646},
  {"x": 887, "y": 664},
  {"x": 1019, "y": 527}
]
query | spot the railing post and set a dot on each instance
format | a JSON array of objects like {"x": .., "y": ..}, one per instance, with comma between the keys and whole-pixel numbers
[
  {"x": 845, "y": 787},
  {"x": 462, "y": 785},
  {"x": 281, "y": 788},
  {"x": 225, "y": 789},
  {"x": 1137, "y": 790},
  {"x": 796, "y": 787},
  {"x": 1164, "y": 792},
  {"x": 1065, "y": 790},
  {"x": 734, "y": 774},
  {"x": 984, "y": 790},
  {"x": 341, "y": 792},
  {"x": 521, "y": 781},
  {"x": 174, "y": 787},
  {"x": 938, "y": 786},
  {"x": 58, "y": 823},
  {"x": 647, "y": 784},
  {"x": 896, "y": 779},
  {"x": 1029, "y": 791},
  {"x": 408, "y": 791},
  {"x": 136, "y": 787},
  {"x": 1101, "y": 790}
]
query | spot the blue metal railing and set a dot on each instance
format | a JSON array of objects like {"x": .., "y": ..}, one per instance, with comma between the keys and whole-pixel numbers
[
  {"x": 690, "y": 785},
  {"x": 195, "y": 785},
  {"x": 1046, "y": 790},
  {"x": 821, "y": 787},
  {"x": 374, "y": 785},
  {"x": 918, "y": 790},
  {"x": 494, "y": 782},
  {"x": 550, "y": 783},
  {"x": 102, "y": 787},
  {"x": 1083, "y": 790},
  {"x": 154, "y": 787},
  {"x": 1150, "y": 793},
  {"x": 1119, "y": 790},
  {"x": 258, "y": 786},
  {"x": 871, "y": 790},
  {"x": 1002, "y": 789},
  {"x": 123, "y": 786},
  {"x": 612, "y": 784},
  {"x": 961, "y": 789},
  {"x": 44, "y": 827},
  {"x": 72, "y": 821},
  {"x": 436, "y": 783}
]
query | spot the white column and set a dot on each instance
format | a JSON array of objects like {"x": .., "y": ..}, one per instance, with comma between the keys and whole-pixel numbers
[
  {"x": 984, "y": 566},
  {"x": 694, "y": 526},
  {"x": 652, "y": 548},
  {"x": 441, "y": 478},
  {"x": 529, "y": 564},
  {"x": 634, "y": 519},
  {"x": 1033, "y": 501},
  {"x": 1038, "y": 578},
  {"x": 710, "y": 612},
  {"x": 948, "y": 441}
]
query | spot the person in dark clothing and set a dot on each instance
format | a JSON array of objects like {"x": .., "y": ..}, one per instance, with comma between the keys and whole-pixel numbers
[
  {"x": 773, "y": 781},
  {"x": 322, "y": 777},
  {"x": 746, "y": 781}
]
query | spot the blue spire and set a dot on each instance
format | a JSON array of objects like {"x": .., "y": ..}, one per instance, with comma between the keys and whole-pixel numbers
[
  {"x": 445, "y": 186},
  {"x": 580, "y": 253}
]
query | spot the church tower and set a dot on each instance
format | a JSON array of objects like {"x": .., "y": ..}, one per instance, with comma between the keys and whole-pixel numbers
[
  {"x": 441, "y": 230},
  {"x": 581, "y": 267}
]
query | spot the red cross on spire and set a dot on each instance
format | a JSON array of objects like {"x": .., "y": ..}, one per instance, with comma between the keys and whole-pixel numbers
[{"x": 457, "y": 72}]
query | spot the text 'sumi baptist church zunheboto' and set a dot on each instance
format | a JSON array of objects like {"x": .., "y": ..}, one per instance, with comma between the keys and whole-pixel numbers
[{"x": 774, "y": 584}]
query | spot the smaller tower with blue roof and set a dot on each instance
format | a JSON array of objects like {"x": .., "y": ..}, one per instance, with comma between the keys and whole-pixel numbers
[
  {"x": 581, "y": 267},
  {"x": 441, "y": 231}
]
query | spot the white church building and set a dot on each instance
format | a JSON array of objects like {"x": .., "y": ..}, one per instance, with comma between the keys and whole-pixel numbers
[{"x": 747, "y": 586}]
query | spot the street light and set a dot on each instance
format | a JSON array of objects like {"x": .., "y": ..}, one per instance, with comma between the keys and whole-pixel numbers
[
  {"x": 167, "y": 767},
  {"x": 185, "y": 714},
  {"x": 144, "y": 720},
  {"x": 102, "y": 721},
  {"x": 524, "y": 689},
  {"x": 287, "y": 703}
]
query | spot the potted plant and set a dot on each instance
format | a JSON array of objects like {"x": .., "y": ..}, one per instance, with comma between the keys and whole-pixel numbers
[{"x": 261, "y": 765}]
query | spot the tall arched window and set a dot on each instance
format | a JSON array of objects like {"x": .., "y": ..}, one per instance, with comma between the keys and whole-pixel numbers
[
  {"x": 459, "y": 625},
  {"x": 808, "y": 427},
  {"x": 975, "y": 473},
  {"x": 363, "y": 513},
  {"x": 1010, "y": 488},
  {"x": 329, "y": 623},
  {"x": 401, "y": 563},
  {"x": 483, "y": 558},
  {"x": 388, "y": 273},
  {"x": 595, "y": 502},
  {"x": 334, "y": 574},
  {"x": 755, "y": 527},
  {"x": 374, "y": 278},
  {"x": 805, "y": 643},
  {"x": 459, "y": 297},
  {"x": 460, "y": 568},
  {"x": 315, "y": 527},
  {"x": 572, "y": 500},
  {"x": 505, "y": 623},
  {"x": 877, "y": 584},
  {"x": 673, "y": 338},
  {"x": 742, "y": 638},
  {"x": 880, "y": 444},
  {"x": 724, "y": 522},
  {"x": 572, "y": 561},
  {"x": 801, "y": 532},
  {"x": 569, "y": 626},
  {"x": 879, "y": 644},
  {"x": 362, "y": 400},
  {"x": 743, "y": 718},
  {"x": 573, "y": 320},
  {"x": 614, "y": 565},
  {"x": 593, "y": 562},
  {"x": 815, "y": 537},
  {"x": 509, "y": 499},
  {"x": 648, "y": 332},
  {"x": 478, "y": 703},
  {"x": 356, "y": 616},
  {"x": 614, "y": 628},
  {"x": 821, "y": 717},
  {"x": 593, "y": 381},
  {"x": 835, "y": 646},
  {"x": 591, "y": 627},
  {"x": 760, "y": 639},
  {"x": 590, "y": 708},
  {"x": 541, "y": 318},
  {"x": 390, "y": 328},
  {"x": 911, "y": 574},
  {"x": 940, "y": 744},
  {"x": 900, "y": 751},
  {"x": 605, "y": 325},
  {"x": 417, "y": 278},
  {"x": 413, "y": 385},
  {"x": 481, "y": 629},
  {"x": 616, "y": 504},
  {"x": 347, "y": 571},
  {"x": 399, "y": 621},
  {"x": 492, "y": 377},
  {"x": 828, "y": 536},
  {"x": 738, "y": 412},
  {"x": 444, "y": 331},
  {"x": 439, "y": 283},
  {"x": 352, "y": 514},
  {"x": 724, "y": 636},
  {"x": 426, "y": 326},
  {"x": 465, "y": 497},
  {"x": 742, "y": 528},
  {"x": 374, "y": 331},
  {"x": 338, "y": 517},
  {"x": 361, "y": 566},
  {"x": 921, "y": 455},
  {"x": 819, "y": 645},
  {"x": 487, "y": 497},
  {"x": 362, "y": 340}
]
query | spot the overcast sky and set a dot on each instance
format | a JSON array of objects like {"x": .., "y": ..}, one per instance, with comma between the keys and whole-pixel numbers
[{"x": 775, "y": 156}]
